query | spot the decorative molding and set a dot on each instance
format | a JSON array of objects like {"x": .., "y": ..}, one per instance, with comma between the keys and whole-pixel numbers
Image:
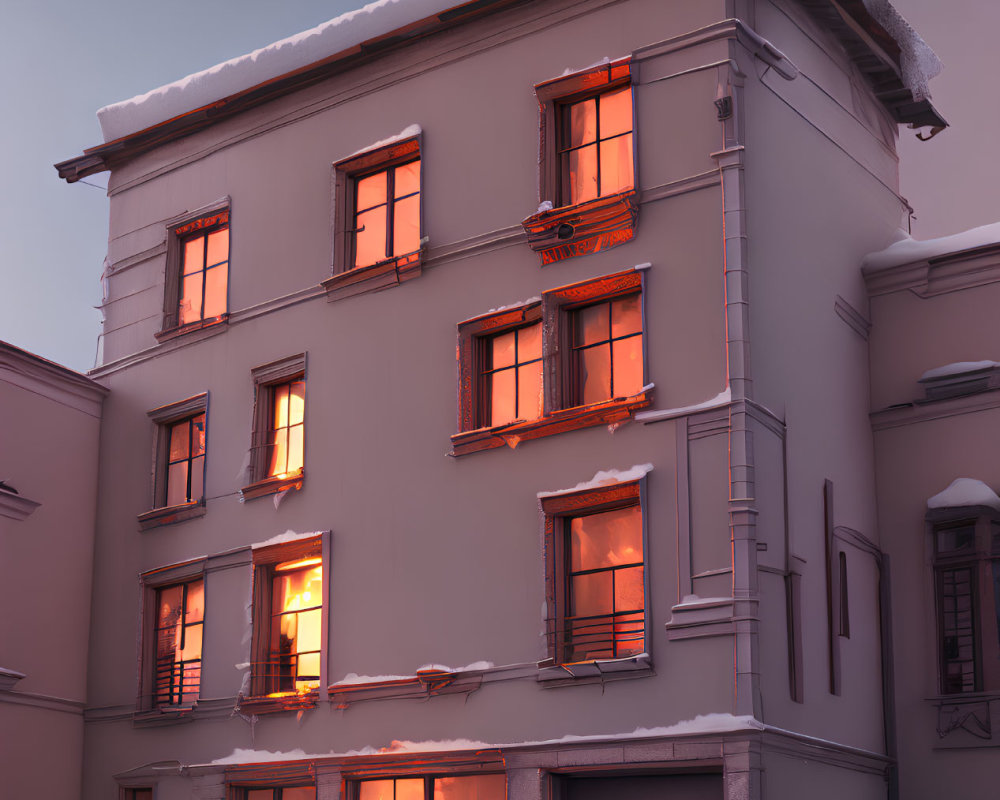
[
  {"x": 44, "y": 701},
  {"x": 9, "y": 678},
  {"x": 700, "y": 618},
  {"x": 913, "y": 413},
  {"x": 857, "y": 322}
]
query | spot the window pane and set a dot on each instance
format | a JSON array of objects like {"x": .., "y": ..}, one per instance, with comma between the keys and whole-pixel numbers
[
  {"x": 583, "y": 174},
  {"x": 591, "y": 325},
  {"x": 595, "y": 374},
  {"x": 502, "y": 395},
  {"x": 628, "y": 366},
  {"x": 177, "y": 483},
  {"x": 529, "y": 342},
  {"x": 197, "y": 479},
  {"x": 626, "y": 316},
  {"x": 406, "y": 226},
  {"x": 583, "y": 122},
  {"x": 281, "y": 405},
  {"x": 296, "y": 402},
  {"x": 195, "y": 611},
  {"x": 502, "y": 350},
  {"x": 192, "y": 643},
  {"x": 376, "y": 790},
  {"x": 407, "y": 179},
  {"x": 529, "y": 391},
  {"x": 260, "y": 794},
  {"x": 616, "y": 112},
  {"x": 590, "y": 594},
  {"x": 616, "y": 165},
  {"x": 471, "y": 787},
  {"x": 410, "y": 789},
  {"x": 371, "y": 191},
  {"x": 630, "y": 637},
  {"x": 608, "y": 539},
  {"x": 190, "y": 681},
  {"x": 179, "y": 440},
  {"x": 299, "y": 793},
  {"x": 218, "y": 247},
  {"x": 590, "y": 639},
  {"x": 216, "y": 283},
  {"x": 198, "y": 441},
  {"x": 370, "y": 237},
  {"x": 170, "y": 606},
  {"x": 194, "y": 255},
  {"x": 629, "y": 594},
  {"x": 279, "y": 452},
  {"x": 295, "y": 454},
  {"x": 190, "y": 304}
]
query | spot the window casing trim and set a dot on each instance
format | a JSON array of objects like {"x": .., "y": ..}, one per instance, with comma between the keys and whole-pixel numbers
[
  {"x": 265, "y": 378},
  {"x": 162, "y": 418},
  {"x": 176, "y": 228},
  {"x": 557, "y": 510},
  {"x": 558, "y": 412},
  {"x": 347, "y": 281}
]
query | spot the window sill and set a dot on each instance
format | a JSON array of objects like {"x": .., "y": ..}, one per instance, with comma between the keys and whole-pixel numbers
[
  {"x": 273, "y": 485},
  {"x": 373, "y": 278},
  {"x": 167, "y": 334},
  {"x": 170, "y": 715},
  {"x": 595, "y": 671},
  {"x": 168, "y": 515},
  {"x": 608, "y": 412},
  {"x": 583, "y": 228},
  {"x": 275, "y": 704}
]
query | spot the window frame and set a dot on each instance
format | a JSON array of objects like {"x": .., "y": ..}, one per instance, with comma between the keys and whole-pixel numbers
[
  {"x": 570, "y": 229},
  {"x": 262, "y": 685},
  {"x": 558, "y": 510},
  {"x": 163, "y": 418},
  {"x": 204, "y": 220},
  {"x": 153, "y": 583},
  {"x": 559, "y": 409},
  {"x": 979, "y": 558},
  {"x": 266, "y": 378},
  {"x": 347, "y": 280},
  {"x": 355, "y": 781}
]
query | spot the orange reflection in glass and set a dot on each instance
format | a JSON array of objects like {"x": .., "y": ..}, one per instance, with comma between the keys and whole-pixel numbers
[
  {"x": 185, "y": 468},
  {"x": 597, "y": 157},
  {"x": 288, "y": 431},
  {"x": 178, "y": 640},
  {"x": 607, "y": 339},
  {"x": 296, "y": 627},
  {"x": 471, "y": 787},
  {"x": 204, "y": 276},
  {"x": 385, "y": 228},
  {"x": 512, "y": 376}
]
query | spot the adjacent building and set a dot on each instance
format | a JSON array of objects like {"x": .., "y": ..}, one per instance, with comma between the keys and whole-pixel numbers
[{"x": 489, "y": 413}]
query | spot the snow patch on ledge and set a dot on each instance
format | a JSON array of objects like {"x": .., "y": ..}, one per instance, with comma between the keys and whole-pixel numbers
[
  {"x": 407, "y": 133},
  {"x": 605, "y": 478},
  {"x": 703, "y": 723},
  {"x": 287, "y": 536},
  {"x": 353, "y": 679},
  {"x": 475, "y": 666},
  {"x": 905, "y": 250},
  {"x": 722, "y": 398},
  {"x": 243, "y": 72},
  {"x": 965, "y": 492},
  {"x": 694, "y": 601},
  {"x": 957, "y": 368}
]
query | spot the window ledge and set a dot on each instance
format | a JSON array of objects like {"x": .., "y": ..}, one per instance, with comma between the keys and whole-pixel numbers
[
  {"x": 14, "y": 506},
  {"x": 219, "y": 323},
  {"x": 272, "y": 485},
  {"x": 276, "y": 703},
  {"x": 967, "y": 720},
  {"x": 168, "y": 515},
  {"x": 595, "y": 671},
  {"x": 609, "y": 412},
  {"x": 425, "y": 684},
  {"x": 373, "y": 278},
  {"x": 583, "y": 228},
  {"x": 170, "y": 715},
  {"x": 700, "y": 617}
]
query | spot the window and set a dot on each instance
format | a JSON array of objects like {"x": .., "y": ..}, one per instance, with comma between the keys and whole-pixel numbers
[
  {"x": 135, "y": 793},
  {"x": 277, "y": 793},
  {"x": 595, "y": 574},
  {"x": 451, "y": 787},
  {"x": 588, "y": 175},
  {"x": 179, "y": 462},
  {"x": 967, "y": 589},
  {"x": 593, "y": 373},
  {"x": 378, "y": 237},
  {"x": 278, "y": 448},
  {"x": 197, "y": 280},
  {"x": 175, "y": 617},
  {"x": 288, "y": 610}
]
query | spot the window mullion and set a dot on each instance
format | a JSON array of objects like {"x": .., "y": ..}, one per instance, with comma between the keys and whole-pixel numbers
[{"x": 390, "y": 209}]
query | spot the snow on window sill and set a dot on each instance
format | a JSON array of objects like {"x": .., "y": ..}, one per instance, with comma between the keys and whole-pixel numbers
[{"x": 608, "y": 412}]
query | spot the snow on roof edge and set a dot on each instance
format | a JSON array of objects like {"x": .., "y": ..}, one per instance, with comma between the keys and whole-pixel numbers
[
  {"x": 965, "y": 492},
  {"x": 604, "y": 477},
  {"x": 279, "y": 58},
  {"x": 906, "y": 250}
]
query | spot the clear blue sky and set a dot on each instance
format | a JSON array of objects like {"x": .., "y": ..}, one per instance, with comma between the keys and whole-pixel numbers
[{"x": 63, "y": 59}]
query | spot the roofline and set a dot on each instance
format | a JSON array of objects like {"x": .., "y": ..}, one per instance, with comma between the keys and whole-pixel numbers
[{"x": 848, "y": 19}]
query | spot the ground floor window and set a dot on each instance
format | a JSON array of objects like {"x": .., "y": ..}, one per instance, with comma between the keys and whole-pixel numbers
[{"x": 445, "y": 787}]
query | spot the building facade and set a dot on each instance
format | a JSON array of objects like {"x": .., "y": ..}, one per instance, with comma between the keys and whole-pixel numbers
[{"x": 437, "y": 461}]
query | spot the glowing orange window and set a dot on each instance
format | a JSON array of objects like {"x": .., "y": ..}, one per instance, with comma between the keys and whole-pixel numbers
[
  {"x": 296, "y": 622},
  {"x": 180, "y": 615},
  {"x": 457, "y": 787},
  {"x": 511, "y": 376},
  {"x": 607, "y": 350},
  {"x": 287, "y": 429},
  {"x": 595, "y": 149},
  {"x": 204, "y": 271},
  {"x": 387, "y": 214}
]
